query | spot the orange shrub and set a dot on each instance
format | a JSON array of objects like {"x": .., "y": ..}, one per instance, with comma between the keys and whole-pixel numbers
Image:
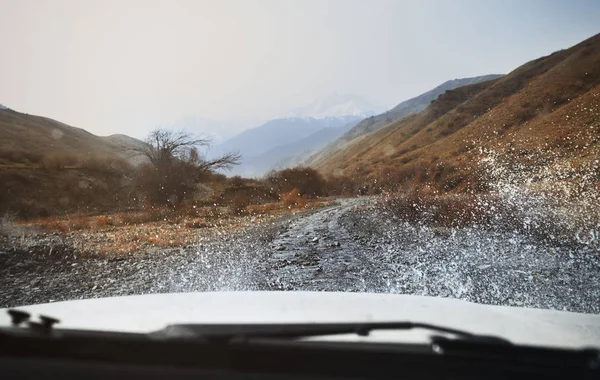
[
  {"x": 104, "y": 221},
  {"x": 294, "y": 199}
]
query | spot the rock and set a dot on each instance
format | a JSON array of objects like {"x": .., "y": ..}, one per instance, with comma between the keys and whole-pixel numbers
[
  {"x": 315, "y": 240},
  {"x": 280, "y": 248},
  {"x": 335, "y": 244}
]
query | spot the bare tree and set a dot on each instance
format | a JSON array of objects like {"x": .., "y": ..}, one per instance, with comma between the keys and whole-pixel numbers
[{"x": 176, "y": 164}]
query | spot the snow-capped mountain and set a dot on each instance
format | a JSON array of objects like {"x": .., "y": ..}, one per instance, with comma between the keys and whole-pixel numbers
[
  {"x": 336, "y": 105},
  {"x": 3, "y": 107},
  {"x": 277, "y": 132},
  {"x": 286, "y": 139}
]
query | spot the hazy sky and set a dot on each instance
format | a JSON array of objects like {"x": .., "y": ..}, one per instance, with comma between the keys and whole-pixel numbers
[{"x": 127, "y": 66}]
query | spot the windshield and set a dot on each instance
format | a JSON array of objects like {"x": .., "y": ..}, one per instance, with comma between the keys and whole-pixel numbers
[{"x": 434, "y": 149}]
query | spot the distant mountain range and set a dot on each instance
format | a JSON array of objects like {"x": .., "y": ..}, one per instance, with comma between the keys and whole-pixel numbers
[
  {"x": 294, "y": 153},
  {"x": 260, "y": 146},
  {"x": 287, "y": 141},
  {"x": 3, "y": 107}
]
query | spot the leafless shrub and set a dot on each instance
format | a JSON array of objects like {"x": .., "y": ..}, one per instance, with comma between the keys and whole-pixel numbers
[{"x": 176, "y": 166}]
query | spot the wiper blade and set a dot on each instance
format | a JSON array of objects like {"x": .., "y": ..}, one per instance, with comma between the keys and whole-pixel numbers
[{"x": 229, "y": 332}]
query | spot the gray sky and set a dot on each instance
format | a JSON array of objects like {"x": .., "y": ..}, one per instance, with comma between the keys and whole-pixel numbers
[{"x": 127, "y": 66}]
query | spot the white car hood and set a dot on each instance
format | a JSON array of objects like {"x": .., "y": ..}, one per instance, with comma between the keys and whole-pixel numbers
[{"x": 147, "y": 313}]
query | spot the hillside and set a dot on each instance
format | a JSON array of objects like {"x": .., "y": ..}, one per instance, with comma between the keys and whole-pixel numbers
[
  {"x": 47, "y": 167},
  {"x": 38, "y": 135},
  {"x": 544, "y": 113},
  {"x": 405, "y": 108}
]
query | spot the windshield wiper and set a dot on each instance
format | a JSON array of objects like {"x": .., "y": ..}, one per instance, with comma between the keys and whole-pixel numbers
[
  {"x": 241, "y": 332},
  {"x": 229, "y": 332}
]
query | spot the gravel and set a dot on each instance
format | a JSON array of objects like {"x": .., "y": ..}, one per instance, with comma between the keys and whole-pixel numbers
[{"x": 350, "y": 246}]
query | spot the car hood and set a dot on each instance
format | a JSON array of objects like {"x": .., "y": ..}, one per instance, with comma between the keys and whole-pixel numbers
[{"x": 146, "y": 313}]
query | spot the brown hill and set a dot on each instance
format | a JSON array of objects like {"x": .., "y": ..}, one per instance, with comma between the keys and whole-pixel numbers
[
  {"x": 27, "y": 139},
  {"x": 400, "y": 111},
  {"x": 47, "y": 167},
  {"x": 546, "y": 112}
]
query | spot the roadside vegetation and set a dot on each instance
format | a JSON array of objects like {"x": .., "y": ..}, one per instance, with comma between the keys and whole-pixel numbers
[{"x": 108, "y": 205}]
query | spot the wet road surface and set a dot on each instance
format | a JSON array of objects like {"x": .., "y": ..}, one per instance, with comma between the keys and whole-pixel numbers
[{"x": 350, "y": 246}]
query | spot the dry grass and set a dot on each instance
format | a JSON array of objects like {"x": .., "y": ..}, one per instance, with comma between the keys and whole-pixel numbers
[
  {"x": 59, "y": 161},
  {"x": 142, "y": 230},
  {"x": 19, "y": 156}
]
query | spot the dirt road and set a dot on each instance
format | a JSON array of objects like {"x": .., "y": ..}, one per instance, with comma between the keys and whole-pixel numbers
[{"x": 349, "y": 246}]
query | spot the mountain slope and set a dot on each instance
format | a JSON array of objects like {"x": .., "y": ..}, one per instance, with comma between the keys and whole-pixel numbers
[
  {"x": 545, "y": 111},
  {"x": 274, "y": 133},
  {"x": 410, "y": 106},
  {"x": 40, "y": 135}
]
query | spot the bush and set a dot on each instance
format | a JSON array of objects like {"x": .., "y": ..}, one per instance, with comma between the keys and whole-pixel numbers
[
  {"x": 236, "y": 181},
  {"x": 239, "y": 204},
  {"x": 306, "y": 181},
  {"x": 341, "y": 185},
  {"x": 294, "y": 199}
]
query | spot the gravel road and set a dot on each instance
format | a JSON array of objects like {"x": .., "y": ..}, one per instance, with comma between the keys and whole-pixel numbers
[{"x": 349, "y": 246}]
